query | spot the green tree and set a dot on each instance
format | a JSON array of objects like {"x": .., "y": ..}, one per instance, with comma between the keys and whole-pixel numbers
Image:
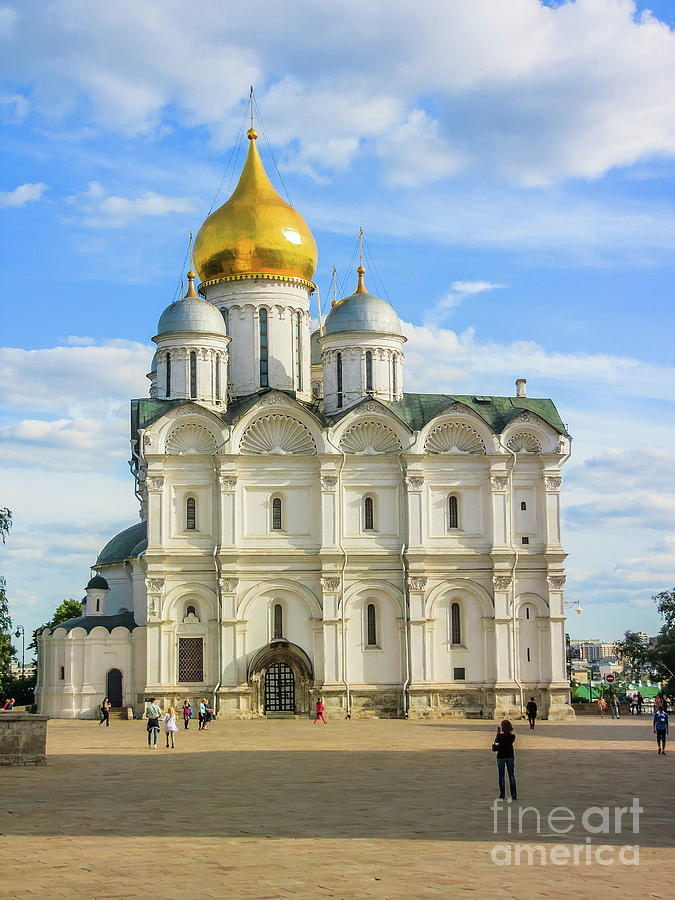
[
  {"x": 6, "y": 649},
  {"x": 634, "y": 655},
  {"x": 665, "y": 603},
  {"x": 69, "y": 609}
]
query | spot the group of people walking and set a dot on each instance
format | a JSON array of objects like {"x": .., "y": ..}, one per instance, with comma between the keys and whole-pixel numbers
[{"x": 154, "y": 715}]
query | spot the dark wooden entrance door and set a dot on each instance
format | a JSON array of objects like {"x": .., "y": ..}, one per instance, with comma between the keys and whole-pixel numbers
[
  {"x": 114, "y": 685},
  {"x": 279, "y": 688}
]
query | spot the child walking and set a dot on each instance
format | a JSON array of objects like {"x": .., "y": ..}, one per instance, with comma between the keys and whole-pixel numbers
[{"x": 170, "y": 727}]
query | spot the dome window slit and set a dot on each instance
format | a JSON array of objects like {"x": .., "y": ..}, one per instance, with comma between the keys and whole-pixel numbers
[
  {"x": 191, "y": 514},
  {"x": 168, "y": 375},
  {"x": 193, "y": 374},
  {"x": 264, "y": 350},
  {"x": 369, "y": 370}
]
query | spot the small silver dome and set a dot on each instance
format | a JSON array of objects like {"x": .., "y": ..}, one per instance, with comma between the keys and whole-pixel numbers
[
  {"x": 362, "y": 312},
  {"x": 315, "y": 348},
  {"x": 192, "y": 314}
]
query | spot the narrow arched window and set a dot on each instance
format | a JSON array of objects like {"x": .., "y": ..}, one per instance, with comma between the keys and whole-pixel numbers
[
  {"x": 394, "y": 387},
  {"x": 369, "y": 370},
  {"x": 191, "y": 611},
  {"x": 193, "y": 374},
  {"x": 276, "y": 514},
  {"x": 298, "y": 351},
  {"x": 278, "y": 620},
  {"x": 338, "y": 365},
  {"x": 371, "y": 622},
  {"x": 453, "y": 512},
  {"x": 264, "y": 349},
  {"x": 217, "y": 376},
  {"x": 523, "y": 506},
  {"x": 98, "y": 605},
  {"x": 455, "y": 624},
  {"x": 62, "y": 673},
  {"x": 368, "y": 514},
  {"x": 168, "y": 375},
  {"x": 191, "y": 514},
  {"x": 527, "y": 612}
]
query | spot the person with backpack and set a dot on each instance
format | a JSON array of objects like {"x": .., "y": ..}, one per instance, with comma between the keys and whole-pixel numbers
[
  {"x": 202, "y": 715},
  {"x": 187, "y": 713},
  {"x": 152, "y": 713},
  {"x": 531, "y": 710},
  {"x": 661, "y": 730},
  {"x": 503, "y": 747}
]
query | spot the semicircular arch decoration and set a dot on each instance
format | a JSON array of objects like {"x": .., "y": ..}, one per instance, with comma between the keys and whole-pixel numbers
[
  {"x": 368, "y": 438},
  {"x": 277, "y": 434},
  {"x": 523, "y": 442},
  {"x": 191, "y": 438},
  {"x": 454, "y": 437}
]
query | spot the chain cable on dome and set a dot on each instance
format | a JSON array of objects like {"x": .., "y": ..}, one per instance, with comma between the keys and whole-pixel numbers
[
  {"x": 269, "y": 147},
  {"x": 371, "y": 261}
]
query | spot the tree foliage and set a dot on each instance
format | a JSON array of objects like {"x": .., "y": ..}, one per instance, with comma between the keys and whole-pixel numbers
[
  {"x": 634, "y": 655},
  {"x": 6, "y": 649},
  {"x": 68, "y": 609},
  {"x": 663, "y": 655},
  {"x": 5, "y": 523},
  {"x": 665, "y": 603}
]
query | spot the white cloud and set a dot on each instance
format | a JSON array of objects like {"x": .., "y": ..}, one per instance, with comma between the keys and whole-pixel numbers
[
  {"x": 24, "y": 193},
  {"x": 101, "y": 210},
  {"x": 534, "y": 93},
  {"x": 459, "y": 291}
]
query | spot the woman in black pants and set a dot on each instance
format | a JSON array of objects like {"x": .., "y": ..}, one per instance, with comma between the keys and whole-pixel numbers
[
  {"x": 503, "y": 746},
  {"x": 105, "y": 713}
]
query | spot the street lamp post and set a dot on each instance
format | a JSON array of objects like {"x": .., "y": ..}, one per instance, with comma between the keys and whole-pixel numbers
[{"x": 21, "y": 632}]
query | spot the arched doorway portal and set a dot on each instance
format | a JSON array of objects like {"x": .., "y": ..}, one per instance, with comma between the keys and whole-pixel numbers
[
  {"x": 114, "y": 687},
  {"x": 279, "y": 688},
  {"x": 280, "y": 675}
]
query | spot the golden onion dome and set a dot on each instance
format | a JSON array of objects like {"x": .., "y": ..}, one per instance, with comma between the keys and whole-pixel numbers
[{"x": 255, "y": 232}]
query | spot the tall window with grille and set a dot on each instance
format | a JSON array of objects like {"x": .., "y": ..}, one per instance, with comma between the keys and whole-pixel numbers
[
  {"x": 338, "y": 365},
  {"x": 217, "y": 363},
  {"x": 455, "y": 624},
  {"x": 190, "y": 659},
  {"x": 264, "y": 349},
  {"x": 453, "y": 512},
  {"x": 168, "y": 375},
  {"x": 191, "y": 514},
  {"x": 371, "y": 626},
  {"x": 278, "y": 629},
  {"x": 298, "y": 351},
  {"x": 277, "y": 514},
  {"x": 368, "y": 514},
  {"x": 193, "y": 374},
  {"x": 369, "y": 370}
]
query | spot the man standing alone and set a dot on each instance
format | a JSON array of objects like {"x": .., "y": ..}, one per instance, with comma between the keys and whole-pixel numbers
[
  {"x": 661, "y": 730},
  {"x": 531, "y": 710}
]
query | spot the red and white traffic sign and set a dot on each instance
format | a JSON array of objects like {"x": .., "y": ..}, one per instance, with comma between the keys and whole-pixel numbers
[{"x": 610, "y": 678}]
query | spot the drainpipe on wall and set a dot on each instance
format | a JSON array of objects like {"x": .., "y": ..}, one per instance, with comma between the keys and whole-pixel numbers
[
  {"x": 404, "y": 570},
  {"x": 217, "y": 566}
]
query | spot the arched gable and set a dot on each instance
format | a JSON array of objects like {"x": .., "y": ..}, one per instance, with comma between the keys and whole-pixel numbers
[
  {"x": 457, "y": 429},
  {"x": 465, "y": 585},
  {"x": 278, "y": 424},
  {"x": 528, "y": 433},
  {"x": 267, "y": 590},
  {"x": 180, "y": 595},
  {"x": 189, "y": 428},
  {"x": 371, "y": 428},
  {"x": 535, "y": 600}
]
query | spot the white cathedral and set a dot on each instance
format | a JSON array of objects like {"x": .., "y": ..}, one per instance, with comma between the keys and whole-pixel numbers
[{"x": 308, "y": 529}]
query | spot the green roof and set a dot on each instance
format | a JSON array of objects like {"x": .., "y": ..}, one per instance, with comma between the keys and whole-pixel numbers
[
  {"x": 128, "y": 544},
  {"x": 416, "y": 410},
  {"x": 123, "y": 619}
]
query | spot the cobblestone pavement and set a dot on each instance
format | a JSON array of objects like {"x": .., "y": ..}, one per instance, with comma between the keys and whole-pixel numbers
[{"x": 361, "y": 809}]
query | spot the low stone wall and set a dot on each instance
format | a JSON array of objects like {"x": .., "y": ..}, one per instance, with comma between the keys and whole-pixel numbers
[{"x": 23, "y": 739}]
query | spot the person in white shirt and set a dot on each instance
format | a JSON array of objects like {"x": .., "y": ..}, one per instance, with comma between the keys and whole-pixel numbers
[{"x": 170, "y": 727}]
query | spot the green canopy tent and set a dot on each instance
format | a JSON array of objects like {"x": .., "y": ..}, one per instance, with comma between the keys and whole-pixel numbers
[{"x": 599, "y": 687}]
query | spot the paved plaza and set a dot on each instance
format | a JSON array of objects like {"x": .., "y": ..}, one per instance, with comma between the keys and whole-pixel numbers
[{"x": 360, "y": 809}]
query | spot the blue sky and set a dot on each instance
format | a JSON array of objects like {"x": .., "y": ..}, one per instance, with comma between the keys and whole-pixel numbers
[{"x": 512, "y": 165}]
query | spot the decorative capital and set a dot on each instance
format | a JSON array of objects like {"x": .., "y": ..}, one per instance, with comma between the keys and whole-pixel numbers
[
  {"x": 155, "y": 482},
  {"x": 556, "y": 582},
  {"x": 153, "y": 605},
  {"x": 415, "y": 483},
  {"x": 330, "y": 584},
  {"x": 499, "y": 482},
  {"x": 416, "y": 583},
  {"x": 328, "y": 482},
  {"x": 228, "y": 482},
  {"x": 370, "y": 406},
  {"x": 229, "y": 585},
  {"x": 502, "y": 582},
  {"x": 154, "y": 585},
  {"x": 185, "y": 410},
  {"x": 147, "y": 440},
  {"x": 552, "y": 484}
]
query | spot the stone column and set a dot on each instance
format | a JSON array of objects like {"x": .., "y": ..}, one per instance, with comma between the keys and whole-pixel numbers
[
  {"x": 552, "y": 485},
  {"x": 154, "y": 589},
  {"x": 503, "y": 648},
  {"x": 415, "y": 486},
  {"x": 228, "y": 514},
  {"x": 499, "y": 483},
  {"x": 228, "y": 631},
  {"x": 155, "y": 485},
  {"x": 556, "y": 587},
  {"x": 329, "y": 510},
  {"x": 419, "y": 668},
  {"x": 332, "y": 650}
]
